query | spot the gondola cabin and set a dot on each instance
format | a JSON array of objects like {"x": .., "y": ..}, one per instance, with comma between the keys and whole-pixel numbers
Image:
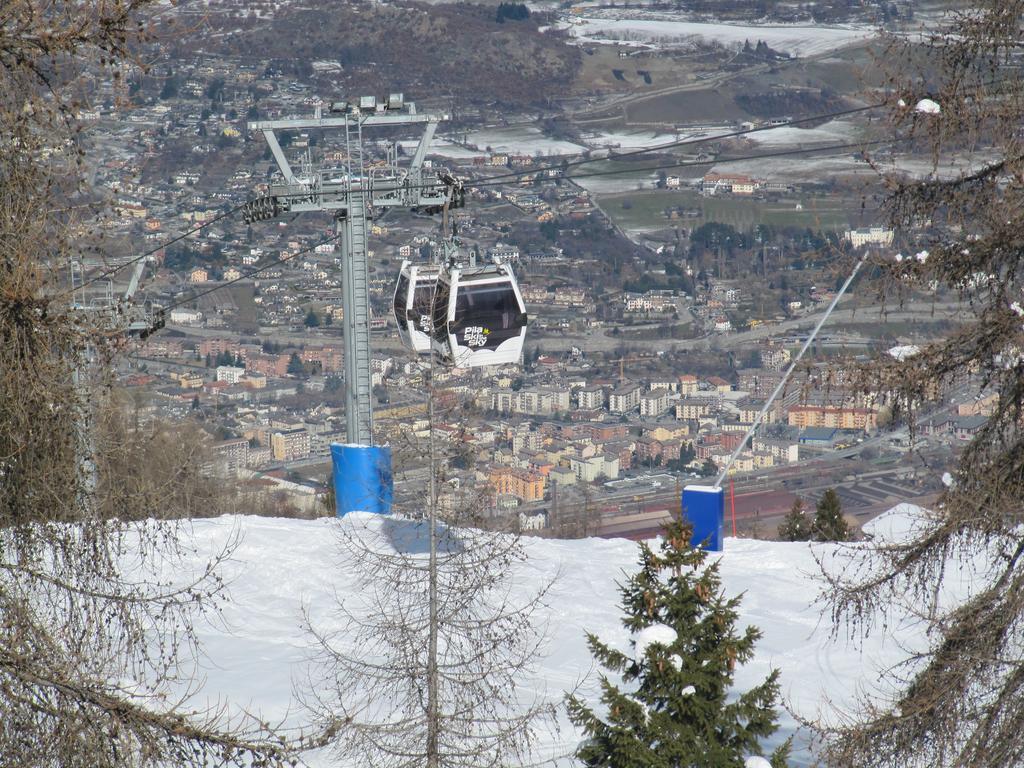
[
  {"x": 479, "y": 316},
  {"x": 413, "y": 305}
]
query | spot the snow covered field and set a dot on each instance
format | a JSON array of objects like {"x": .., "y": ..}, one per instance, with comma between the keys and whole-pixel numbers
[
  {"x": 798, "y": 169},
  {"x": 834, "y": 132},
  {"x": 256, "y": 649},
  {"x": 522, "y": 140},
  {"x": 798, "y": 41},
  {"x": 610, "y": 185}
]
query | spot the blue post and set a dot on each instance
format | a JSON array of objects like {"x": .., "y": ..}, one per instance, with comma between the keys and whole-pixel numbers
[
  {"x": 704, "y": 509},
  {"x": 362, "y": 478}
]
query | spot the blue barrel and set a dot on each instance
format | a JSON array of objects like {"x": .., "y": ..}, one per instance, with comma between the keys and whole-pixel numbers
[
  {"x": 704, "y": 509},
  {"x": 362, "y": 478}
]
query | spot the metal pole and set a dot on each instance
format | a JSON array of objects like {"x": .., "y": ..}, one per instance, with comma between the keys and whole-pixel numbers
[
  {"x": 433, "y": 716},
  {"x": 356, "y": 326},
  {"x": 785, "y": 377}
]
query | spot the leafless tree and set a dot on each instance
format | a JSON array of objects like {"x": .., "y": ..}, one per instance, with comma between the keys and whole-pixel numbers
[
  {"x": 90, "y": 631},
  {"x": 430, "y": 648},
  {"x": 958, "y": 99}
]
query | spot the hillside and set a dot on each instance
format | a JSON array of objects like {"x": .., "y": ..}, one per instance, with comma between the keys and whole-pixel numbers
[
  {"x": 461, "y": 50},
  {"x": 256, "y": 648}
]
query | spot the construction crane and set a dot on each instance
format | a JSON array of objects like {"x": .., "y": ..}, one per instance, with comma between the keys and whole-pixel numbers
[{"x": 622, "y": 364}]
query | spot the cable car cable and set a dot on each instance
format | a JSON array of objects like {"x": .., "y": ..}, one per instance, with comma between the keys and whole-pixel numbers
[
  {"x": 722, "y": 161},
  {"x": 151, "y": 251},
  {"x": 733, "y": 134},
  {"x": 495, "y": 181},
  {"x": 491, "y": 181},
  {"x": 247, "y": 275},
  {"x": 785, "y": 376},
  {"x": 700, "y": 140}
]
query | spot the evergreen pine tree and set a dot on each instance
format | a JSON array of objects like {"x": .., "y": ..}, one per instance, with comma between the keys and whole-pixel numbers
[
  {"x": 673, "y": 708},
  {"x": 829, "y": 524},
  {"x": 295, "y": 366},
  {"x": 796, "y": 526}
]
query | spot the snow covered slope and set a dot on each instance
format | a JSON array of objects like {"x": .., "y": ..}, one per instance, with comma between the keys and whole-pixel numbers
[{"x": 256, "y": 649}]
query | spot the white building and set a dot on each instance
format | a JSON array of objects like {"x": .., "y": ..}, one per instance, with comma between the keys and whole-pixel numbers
[
  {"x": 869, "y": 236},
  {"x": 183, "y": 316},
  {"x": 537, "y": 521},
  {"x": 230, "y": 373},
  {"x": 595, "y": 467},
  {"x": 624, "y": 399},
  {"x": 590, "y": 398},
  {"x": 654, "y": 403},
  {"x": 533, "y": 401}
]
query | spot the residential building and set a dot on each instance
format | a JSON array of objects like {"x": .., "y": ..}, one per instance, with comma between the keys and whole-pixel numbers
[
  {"x": 750, "y": 407},
  {"x": 695, "y": 407},
  {"x": 524, "y": 484},
  {"x": 719, "y": 385},
  {"x": 562, "y": 476},
  {"x": 784, "y": 451},
  {"x": 290, "y": 445},
  {"x": 603, "y": 432},
  {"x": 966, "y": 427},
  {"x": 590, "y": 398},
  {"x": 719, "y": 183},
  {"x": 835, "y": 417},
  {"x": 595, "y": 468},
  {"x": 231, "y": 455},
  {"x": 329, "y": 358},
  {"x": 190, "y": 380},
  {"x": 774, "y": 357},
  {"x": 533, "y": 401},
  {"x": 655, "y": 403},
  {"x": 978, "y": 405},
  {"x": 230, "y": 373},
  {"x": 536, "y": 521},
  {"x": 184, "y": 316},
  {"x": 624, "y": 399},
  {"x": 647, "y": 449},
  {"x": 759, "y": 382},
  {"x": 688, "y": 384},
  {"x": 869, "y": 236}
]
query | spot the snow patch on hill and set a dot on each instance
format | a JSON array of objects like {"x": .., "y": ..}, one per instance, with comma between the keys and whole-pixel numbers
[
  {"x": 257, "y": 650},
  {"x": 797, "y": 41}
]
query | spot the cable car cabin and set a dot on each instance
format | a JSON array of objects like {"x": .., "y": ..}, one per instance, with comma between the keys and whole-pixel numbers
[
  {"x": 479, "y": 316},
  {"x": 413, "y": 297}
]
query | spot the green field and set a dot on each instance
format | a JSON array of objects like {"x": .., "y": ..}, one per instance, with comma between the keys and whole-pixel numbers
[{"x": 646, "y": 210}]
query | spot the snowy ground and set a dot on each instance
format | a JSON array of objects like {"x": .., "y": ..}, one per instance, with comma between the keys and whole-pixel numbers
[
  {"x": 797, "y": 169},
  {"x": 256, "y": 651},
  {"x": 833, "y": 132},
  {"x": 614, "y": 184},
  {"x": 652, "y": 32},
  {"x": 523, "y": 140}
]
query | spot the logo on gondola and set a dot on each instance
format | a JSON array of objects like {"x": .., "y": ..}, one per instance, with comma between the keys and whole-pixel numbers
[
  {"x": 475, "y": 336},
  {"x": 425, "y": 324}
]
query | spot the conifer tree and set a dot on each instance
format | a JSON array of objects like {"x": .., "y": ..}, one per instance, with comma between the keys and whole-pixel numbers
[
  {"x": 796, "y": 526},
  {"x": 673, "y": 706},
  {"x": 829, "y": 524}
]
